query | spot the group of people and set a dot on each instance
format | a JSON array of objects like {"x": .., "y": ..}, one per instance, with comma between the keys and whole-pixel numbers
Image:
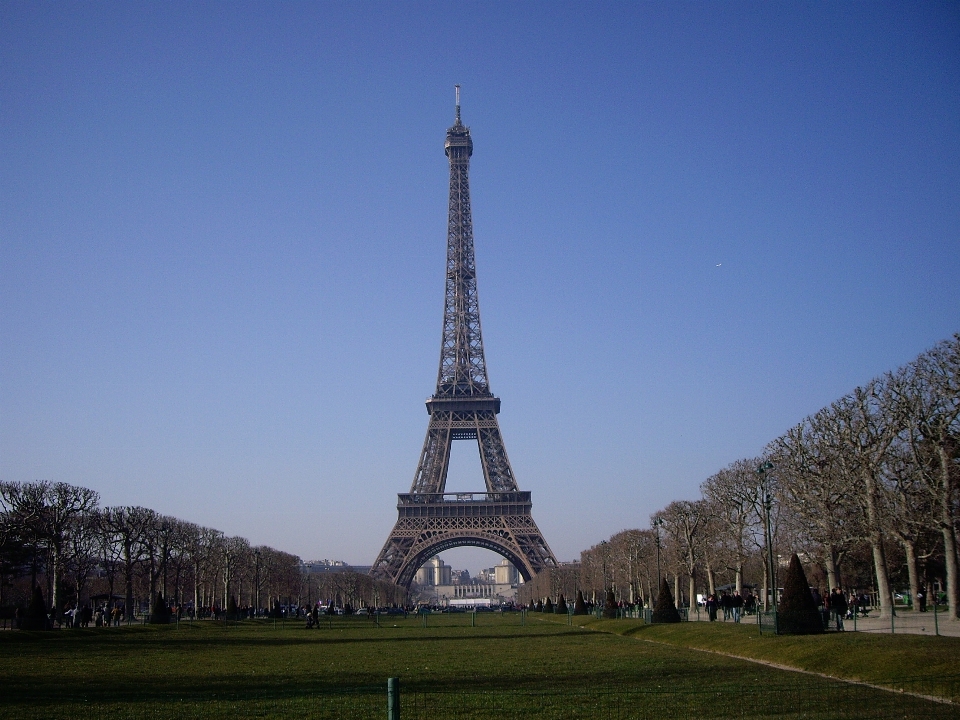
[
  {"x": 840, "y": 606},
  {"x": 732, "y": 606},
  {"x": 103, "y": 616},
  {"x": 79, "y": 617}
]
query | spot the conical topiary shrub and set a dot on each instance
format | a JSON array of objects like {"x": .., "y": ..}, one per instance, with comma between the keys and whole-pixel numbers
[
  {"x": 579, "y": 606},
  {"x": 159, "y": 613},
  {"x": 548, "y": 606},
  {"x": 797, "y": 613},
  {"x": 539, "y": 606},
  {"x": 562, "y": 606},
  {"x": 610, "y": 606},
  {"x": 665, "y": 611},
  {"x": 233, "y": 612},
  {"x": 35, "y": 617}
]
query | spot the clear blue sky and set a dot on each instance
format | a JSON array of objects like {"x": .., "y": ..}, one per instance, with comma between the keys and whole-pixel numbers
[{"x": 222, "y": 234}]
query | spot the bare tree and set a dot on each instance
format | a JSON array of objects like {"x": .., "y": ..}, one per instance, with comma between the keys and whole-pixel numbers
[
  {"x": 127, "y": 525},
  {"x": 233, "y": 552},
  {"x": 928, "y": 395},
  {"x": 818, "y": 492},
  {"x": 629, "y": 552},
  {"x": 735, "y": 502},
  {"x": 857, "y": 435},
  {"x": 24, "y": 505},
  {"x": 179, "y": 559},
  {"x": 49, "y": 513},
  {"x": 81, "y": 550},
  {"x": 683, "y": 520},
  {"x": 202, "y": 549}
]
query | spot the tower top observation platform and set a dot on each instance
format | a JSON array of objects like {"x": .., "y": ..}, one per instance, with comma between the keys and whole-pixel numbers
[{"x": 458, "y": 136}]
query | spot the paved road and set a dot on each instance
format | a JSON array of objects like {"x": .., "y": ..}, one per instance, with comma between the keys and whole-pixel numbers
[
  {"x": 905, "y": 622},
  {"x": 908, "y": 622}
]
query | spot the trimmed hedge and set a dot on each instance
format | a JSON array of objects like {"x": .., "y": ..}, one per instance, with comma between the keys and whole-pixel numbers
[
  {"x": 160, "y": 613},
  {"x": 579, "y": 606},
  {"x": 35, "y": 618},
  {"x": 665, "y": 611},
  {"x": 797, "y": 613},
  {"x": 610, "y": 606}
]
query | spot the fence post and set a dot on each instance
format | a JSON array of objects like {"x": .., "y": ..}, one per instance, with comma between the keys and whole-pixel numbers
[
  {"x": 936, "y": 625},
  {"x": 393, "y": 698},
  {"x": 473, "y": 619}
]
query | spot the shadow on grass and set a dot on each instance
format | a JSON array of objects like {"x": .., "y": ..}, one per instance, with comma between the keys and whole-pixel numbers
[{"x": 213, "y": 637}]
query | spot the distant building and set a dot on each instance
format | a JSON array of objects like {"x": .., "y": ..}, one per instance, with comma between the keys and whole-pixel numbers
[
  {"x": 332, "y": 566},
  {"x": 506, "y": 574},
  {"x": 434, "y": 572},
  {"x": 440, "y": 585}
]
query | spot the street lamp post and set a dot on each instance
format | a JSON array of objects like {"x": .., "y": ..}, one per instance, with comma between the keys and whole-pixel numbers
[{"x": 767, "y": 501}]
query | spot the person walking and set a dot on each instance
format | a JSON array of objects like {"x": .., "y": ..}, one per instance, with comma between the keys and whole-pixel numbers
[
  {"x": 725, "y": 604},
  {"x": 737, "y": 603},
  {"x": 712, "y": 607},
  {"x": 838, "y": 606}
]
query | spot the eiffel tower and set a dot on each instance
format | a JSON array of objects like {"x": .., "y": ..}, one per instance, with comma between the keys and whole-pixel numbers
[{"x": 462, "y": 408}]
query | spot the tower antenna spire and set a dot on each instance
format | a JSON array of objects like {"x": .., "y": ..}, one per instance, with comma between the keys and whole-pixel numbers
[{"x": 458, "y": 103}]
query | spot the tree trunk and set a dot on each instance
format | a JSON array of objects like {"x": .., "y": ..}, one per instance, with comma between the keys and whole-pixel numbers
[
  {"x": 883, "y": 580},
  {"x": 766, "y": 588},
  {"x": 128, "y": 580},
  {"x": 876, "y": 545},
  {"x": 911, "y": 554},
  {"x": 56, "y": 600},
  {"x": 830, "y": 560},
  {"x": 949, "y": 534},
  {"x": 196, "y": 587},
  {"x": 950, "y": 560},
  {"x": 153, "y": 579}
]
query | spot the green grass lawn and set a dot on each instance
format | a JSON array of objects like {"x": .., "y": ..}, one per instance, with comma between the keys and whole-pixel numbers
[
  {"x": 499, "y": 669},
  {"x": 929, "y": 664}
]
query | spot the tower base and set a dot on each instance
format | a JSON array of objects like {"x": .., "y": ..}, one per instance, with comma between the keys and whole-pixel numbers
[{"x": 430, "y": 523}]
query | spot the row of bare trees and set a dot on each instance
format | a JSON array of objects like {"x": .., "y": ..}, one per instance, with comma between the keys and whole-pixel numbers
[
  {"x": 58, "y": 535},
  {"x": 865, "y": 490},
  {"x": 348, "y": 588}
]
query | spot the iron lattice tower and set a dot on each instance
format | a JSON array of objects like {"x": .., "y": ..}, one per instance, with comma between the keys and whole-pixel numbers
[{"x": 462, "y": 408}]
